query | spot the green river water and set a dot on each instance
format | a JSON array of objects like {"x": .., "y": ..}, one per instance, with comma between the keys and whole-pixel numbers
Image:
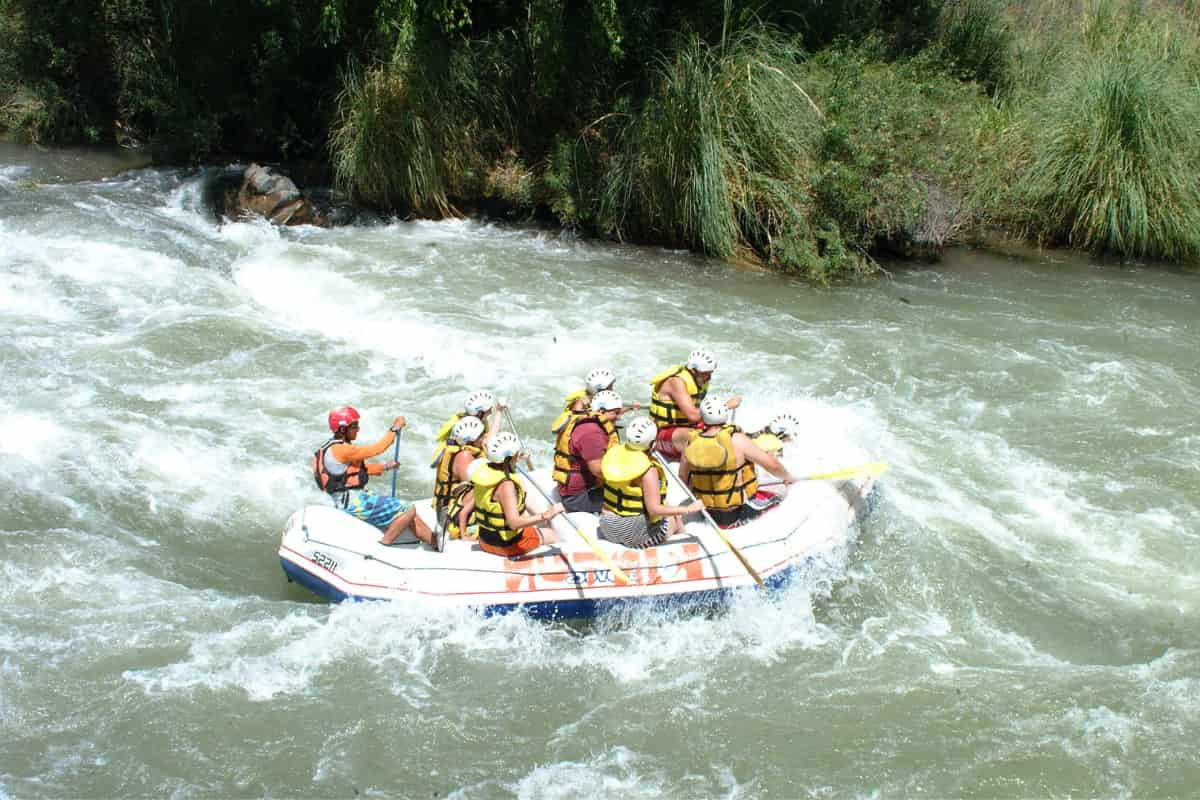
[{"x": 1017, "y": 619}]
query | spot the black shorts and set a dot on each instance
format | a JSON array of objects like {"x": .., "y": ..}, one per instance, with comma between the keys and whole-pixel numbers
[
  {"x": 590, "y": 501},
  {"x": 732, "y": 517}
]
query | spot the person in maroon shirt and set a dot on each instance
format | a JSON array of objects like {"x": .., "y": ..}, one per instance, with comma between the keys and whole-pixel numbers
[{"x": 589, "y": 440}]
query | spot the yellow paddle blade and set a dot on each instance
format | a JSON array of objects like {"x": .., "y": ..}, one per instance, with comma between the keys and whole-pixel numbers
[
  {"x": 618, "y": 573},
  {"x": 872, "y": 470}
]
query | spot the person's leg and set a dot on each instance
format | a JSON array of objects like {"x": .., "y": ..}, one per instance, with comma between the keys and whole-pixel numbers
[
  {"x": 723, "y": 517},
  {"x": 660, "y": 531},
  {"x": 407, "y": 517},
  {"x": 423, "y": 531},
  {"x": 397, "y": 525}
]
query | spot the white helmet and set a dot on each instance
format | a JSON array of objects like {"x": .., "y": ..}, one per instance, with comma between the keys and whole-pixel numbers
[
  {"x": 599, "y": 379},
  {"x": 714, "y": 411},
  {"x": 501, "y": 446},
  {"x": 467, "y": 430},
  {"x": 641, "y": 433},
  {"x": 606, "y": 400},
  {"x": 480, "y": 402},
  {"x": 785, "y": 425},
  {"x": 702, "y": 360}
]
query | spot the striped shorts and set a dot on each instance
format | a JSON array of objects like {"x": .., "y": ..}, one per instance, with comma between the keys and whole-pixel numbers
[
  {"x": 375, "y": 509},
  {"x": 635, "y": 532}
]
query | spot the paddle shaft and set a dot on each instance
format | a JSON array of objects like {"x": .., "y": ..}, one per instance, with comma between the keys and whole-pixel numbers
[
  {"x": 617, "y": 572},
  {"x": 872, "y": 470},
  {"x": 396, "y": 460},
  {"x": 513, "y": 426},
  {"x": 679, "y": 482}
]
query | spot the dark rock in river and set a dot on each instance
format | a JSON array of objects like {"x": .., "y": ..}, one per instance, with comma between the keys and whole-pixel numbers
[{"x": 267, "y": 194}]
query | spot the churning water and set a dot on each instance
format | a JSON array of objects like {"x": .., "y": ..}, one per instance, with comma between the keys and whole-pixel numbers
[{"x": 1017, "y": 619}]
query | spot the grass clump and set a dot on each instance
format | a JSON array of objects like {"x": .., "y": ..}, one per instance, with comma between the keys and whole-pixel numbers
[
  {"x": 1116, "y": 160},
  {"x": 893, "y": 166},
  {"x": 413, "y": 134},
  {"x": 719, "y": 155},
  {"x": 977, "y": 43}
]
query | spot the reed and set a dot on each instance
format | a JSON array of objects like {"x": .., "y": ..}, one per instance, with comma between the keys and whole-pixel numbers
[
  {"x": 977, "y": 41},
  {"x": 383, "y": 148},
  {"x": 716, "y": 157},
  {"x": 414, "y": 134},
  {"x": 1115, "y": 161}
]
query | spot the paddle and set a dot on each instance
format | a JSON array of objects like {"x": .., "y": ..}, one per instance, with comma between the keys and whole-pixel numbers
[
  {"x": 603, "y": 556},
  {"x": 517, "y": 433},
  {"x": 872, "y": 470},
  {"x": 396, "y": 460},
  {"x": 753, "y": 572}
]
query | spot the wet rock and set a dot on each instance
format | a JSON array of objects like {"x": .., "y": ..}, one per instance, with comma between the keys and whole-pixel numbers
[{"x": 268, "y": 194}]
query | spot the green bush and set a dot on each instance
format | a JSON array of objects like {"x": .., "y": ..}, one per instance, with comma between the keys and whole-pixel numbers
[{"x": 894, "y": 159}]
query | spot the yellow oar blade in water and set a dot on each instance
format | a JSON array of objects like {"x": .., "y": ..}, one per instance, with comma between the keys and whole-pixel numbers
[{"x": 872, "y": 470}]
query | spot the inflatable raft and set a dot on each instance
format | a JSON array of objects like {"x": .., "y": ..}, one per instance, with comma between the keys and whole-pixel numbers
[{"x": 339, "y": 557}]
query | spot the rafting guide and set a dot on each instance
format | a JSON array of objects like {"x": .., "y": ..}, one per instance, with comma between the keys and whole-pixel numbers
[{"x": 340, "y": 469}]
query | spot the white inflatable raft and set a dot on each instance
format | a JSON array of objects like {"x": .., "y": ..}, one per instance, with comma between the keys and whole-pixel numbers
[{"x": 339, "y": 557}]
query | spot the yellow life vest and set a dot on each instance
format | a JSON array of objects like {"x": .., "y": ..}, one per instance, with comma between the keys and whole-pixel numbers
[
  {"x": 454, "y": 507},
  {"x": 715, "y": 478},
  {"x": 567, "y": 413},
  {"x": 444, "y": 432},
  {"x": 663, "y": 410},
  {"x": 566, "y": 462},
  {"x": 489, "y": 514},
  {"x": 444, "y": 479},
  {"x": 623, "y": 468},
  {"x": 769, "y": 443}
]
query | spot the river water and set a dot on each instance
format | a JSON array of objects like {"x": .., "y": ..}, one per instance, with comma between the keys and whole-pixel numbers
[{"x": 1018, "y": 618}]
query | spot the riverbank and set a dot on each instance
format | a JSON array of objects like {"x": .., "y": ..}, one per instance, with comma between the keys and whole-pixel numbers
[{"x": 811, "y": 144}]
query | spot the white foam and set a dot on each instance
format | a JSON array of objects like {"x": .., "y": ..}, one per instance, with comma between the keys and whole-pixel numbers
[
  {"x": 615, "y": 772},
  {"x": 38, "y": 439}
]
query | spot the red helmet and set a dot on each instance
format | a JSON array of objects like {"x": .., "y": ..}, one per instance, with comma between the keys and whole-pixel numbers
[{"x": 342, "y": 417}]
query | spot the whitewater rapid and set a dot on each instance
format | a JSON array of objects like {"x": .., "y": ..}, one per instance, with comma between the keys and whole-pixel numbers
[{"x": 1016, "y": 619}]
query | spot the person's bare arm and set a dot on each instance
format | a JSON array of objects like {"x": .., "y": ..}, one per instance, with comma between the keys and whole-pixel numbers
[
  {"x": 513, "y": 518},
  {"x": 675, "y": 389},
  {"x": 745, "y": 447},
  {"x": 357, "y": 453},
  {"x": 462, "y": 460},
  {"x": 652, "y": 495}
]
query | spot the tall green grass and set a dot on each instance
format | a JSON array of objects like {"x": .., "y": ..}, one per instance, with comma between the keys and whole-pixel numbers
[
  {"x": 385, "y": 150},
  {"x": 1116, "y": 160},
  {"x": 718, "y": 156},
  {"x": 976, "y": 40},
  {"x": 419, "y": 132}
]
